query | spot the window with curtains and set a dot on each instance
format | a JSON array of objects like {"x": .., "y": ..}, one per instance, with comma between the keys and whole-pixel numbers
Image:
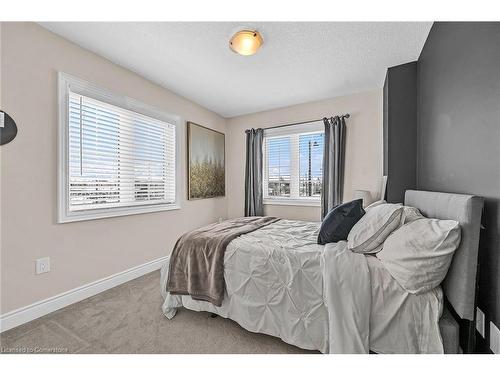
[
  {"x": 117, "y": 156},
  {"x": 293, "y": 161}
]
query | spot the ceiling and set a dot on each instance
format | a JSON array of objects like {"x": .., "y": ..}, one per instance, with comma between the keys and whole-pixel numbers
[{"x": 299, "y": 61}]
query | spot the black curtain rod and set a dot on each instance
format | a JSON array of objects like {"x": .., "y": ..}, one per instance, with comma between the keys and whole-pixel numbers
[{"x": 347, "y": 115}]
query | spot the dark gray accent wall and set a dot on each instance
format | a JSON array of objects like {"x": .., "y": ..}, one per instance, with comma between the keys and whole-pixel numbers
[
  {"x": 458, "y": 133},
  {"x": 400, "y": 130}
]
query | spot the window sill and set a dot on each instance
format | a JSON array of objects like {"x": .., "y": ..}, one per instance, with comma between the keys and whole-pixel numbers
[
  {"x": 114, "y": 212},
  {"x": 292, "y": 202}
]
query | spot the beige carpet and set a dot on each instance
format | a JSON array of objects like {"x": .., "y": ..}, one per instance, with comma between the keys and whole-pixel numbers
[{"x": 128, "y": 319}]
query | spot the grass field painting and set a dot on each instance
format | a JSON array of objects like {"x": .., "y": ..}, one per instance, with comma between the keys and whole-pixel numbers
[{"x": 206, "y": 162}]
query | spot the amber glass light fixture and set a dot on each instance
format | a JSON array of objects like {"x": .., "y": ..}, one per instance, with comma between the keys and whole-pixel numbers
[{"x": 246, "y": 42}]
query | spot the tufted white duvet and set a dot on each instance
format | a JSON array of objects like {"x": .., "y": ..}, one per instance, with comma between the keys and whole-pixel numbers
[{"x": 280, "y": 282}]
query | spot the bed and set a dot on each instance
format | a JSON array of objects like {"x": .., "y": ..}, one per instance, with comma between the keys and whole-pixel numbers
[{"x": 279, "y": 281}]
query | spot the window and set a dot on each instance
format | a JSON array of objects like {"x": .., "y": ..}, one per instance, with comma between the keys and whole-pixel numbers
[
  {"x": 116, "y": 156},
  {"x": 293, "y": 161},
  {"x": 278, "y": 166}
]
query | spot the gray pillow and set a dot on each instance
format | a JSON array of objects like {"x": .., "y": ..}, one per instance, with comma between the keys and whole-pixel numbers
[{"x": 374, "y": 227}]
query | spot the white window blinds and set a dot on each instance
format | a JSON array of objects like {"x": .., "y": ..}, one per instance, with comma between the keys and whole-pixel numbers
[
  {"x": 293, "y": 163},
  {"x": 278, "y": 166},
  {"x": 117, "y": 157}
]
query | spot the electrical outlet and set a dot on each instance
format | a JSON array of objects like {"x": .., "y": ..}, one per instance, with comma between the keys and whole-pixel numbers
[
  {"x": 480, "y": 321},
  {"x": 494, "y": 338},
  {"x": 42, "y": 265}
]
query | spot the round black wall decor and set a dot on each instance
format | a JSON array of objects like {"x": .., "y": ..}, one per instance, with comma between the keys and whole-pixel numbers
[{"x": 8, "y": 128}]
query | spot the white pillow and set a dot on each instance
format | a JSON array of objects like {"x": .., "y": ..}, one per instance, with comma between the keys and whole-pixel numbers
[
  {"x": 375, "y": 204},
  {"x": 419, "y": 253},
  {"x": 368, "y": 234}
]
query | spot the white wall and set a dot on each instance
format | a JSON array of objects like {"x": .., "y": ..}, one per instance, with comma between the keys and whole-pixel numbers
[
  {"x": 363, "y": 147},
  {"x": 80, "y": 252}
]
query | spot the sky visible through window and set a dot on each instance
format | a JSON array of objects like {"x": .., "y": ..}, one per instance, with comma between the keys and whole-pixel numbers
[{"x": 316, "y": 154}]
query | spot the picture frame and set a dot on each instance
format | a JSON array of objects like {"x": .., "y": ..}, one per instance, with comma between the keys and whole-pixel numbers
[{"x": 206, "y": 162}]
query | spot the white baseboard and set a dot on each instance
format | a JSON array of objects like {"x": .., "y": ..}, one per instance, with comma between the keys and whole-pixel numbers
[{"x": 25, "y": 314}]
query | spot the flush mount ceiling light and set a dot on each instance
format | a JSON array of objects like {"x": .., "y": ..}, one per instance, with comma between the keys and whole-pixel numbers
[{"x": 246, "y": 42}]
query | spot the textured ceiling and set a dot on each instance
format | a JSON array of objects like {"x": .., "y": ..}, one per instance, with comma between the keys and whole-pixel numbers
[{"x": 299, "y": 61}]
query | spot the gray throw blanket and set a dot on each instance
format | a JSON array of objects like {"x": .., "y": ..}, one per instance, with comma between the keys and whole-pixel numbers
[{"x": 197, "y": 261}]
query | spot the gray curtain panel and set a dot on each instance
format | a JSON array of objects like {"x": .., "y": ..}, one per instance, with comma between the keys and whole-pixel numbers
[
  {"x": 253, "y": 174},
  {"x": 333, "y": 163}
]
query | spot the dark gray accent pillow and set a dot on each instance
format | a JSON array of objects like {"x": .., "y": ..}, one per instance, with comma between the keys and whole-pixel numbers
[{"x": 339, "y": 221}]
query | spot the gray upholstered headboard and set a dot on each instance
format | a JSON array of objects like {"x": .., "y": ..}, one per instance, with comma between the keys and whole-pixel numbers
[{"x": 459, "y": 286}]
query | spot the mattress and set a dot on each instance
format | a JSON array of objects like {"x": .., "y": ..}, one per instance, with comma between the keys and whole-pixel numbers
[{"x": 277, "y": 283}]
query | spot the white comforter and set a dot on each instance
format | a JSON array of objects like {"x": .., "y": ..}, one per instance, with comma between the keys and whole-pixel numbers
[{"x": 327, "y": 298}]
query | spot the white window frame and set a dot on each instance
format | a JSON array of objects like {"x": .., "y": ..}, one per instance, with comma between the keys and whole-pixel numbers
[
  {"x": 67, "y": 83},
  {"x": 292, "y": 131}
]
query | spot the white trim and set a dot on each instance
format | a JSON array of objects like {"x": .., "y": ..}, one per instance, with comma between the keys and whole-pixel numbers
[
  {"x": 66, "y": 83},
  {"x": 26, "y": 314},
  {"x": 118, "y": 211},
  {"x": 292, "y": 202}
]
